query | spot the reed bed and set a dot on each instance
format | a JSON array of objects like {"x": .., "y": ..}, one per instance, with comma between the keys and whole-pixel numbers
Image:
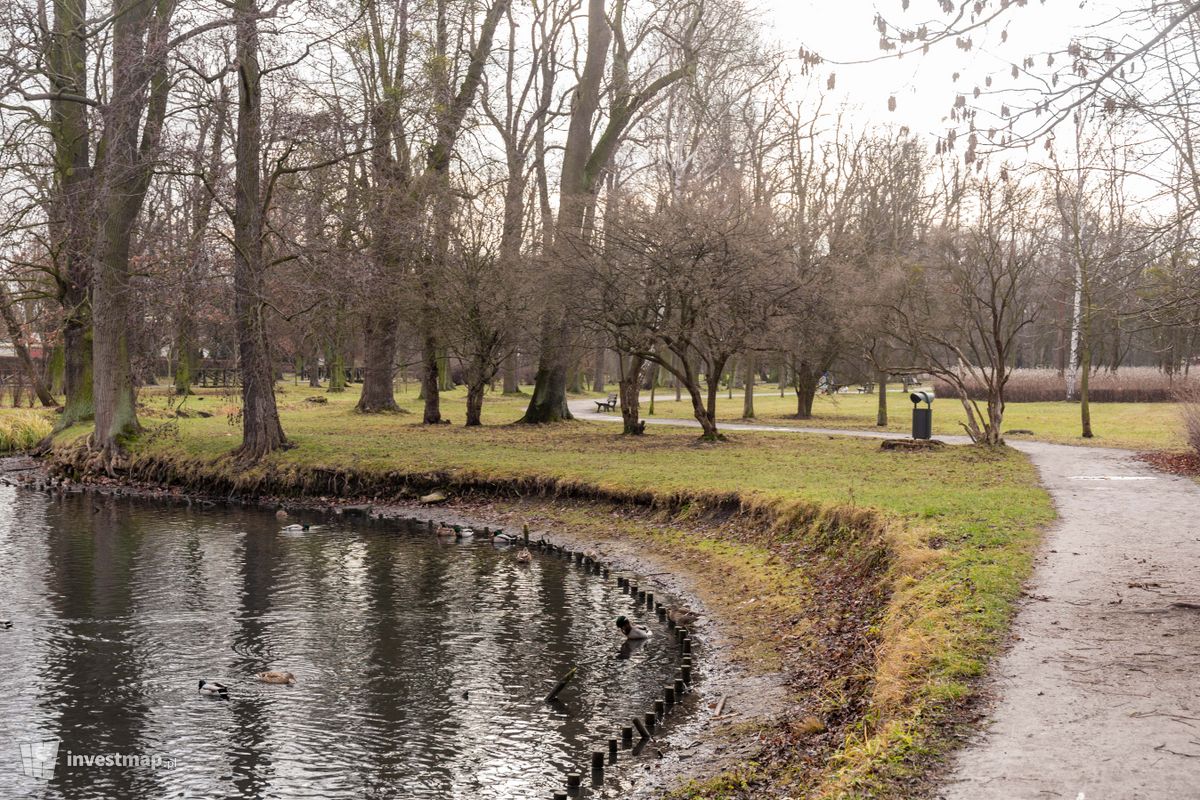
[
  {"x": 21, "y": 430},
  {"x": 1127, "y": 385}
]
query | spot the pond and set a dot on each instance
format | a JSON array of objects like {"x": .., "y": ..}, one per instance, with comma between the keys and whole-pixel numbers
[{"x": 421, "y": 664}]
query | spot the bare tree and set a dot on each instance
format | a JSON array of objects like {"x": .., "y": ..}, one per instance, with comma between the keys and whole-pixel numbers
[{"x": 964, "y": 312}]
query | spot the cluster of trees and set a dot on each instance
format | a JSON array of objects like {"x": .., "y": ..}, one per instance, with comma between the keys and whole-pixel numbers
[{"x": 502, "y": 188}]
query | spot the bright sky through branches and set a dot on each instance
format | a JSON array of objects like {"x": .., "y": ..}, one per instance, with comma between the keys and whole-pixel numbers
[{"x": 923, "y": 85}]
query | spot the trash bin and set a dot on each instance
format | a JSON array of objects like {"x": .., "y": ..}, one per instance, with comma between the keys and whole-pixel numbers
[{"x": 922, "y": 417}]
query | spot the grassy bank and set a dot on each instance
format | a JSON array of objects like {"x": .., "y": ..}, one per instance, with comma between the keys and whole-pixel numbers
[
  {"x": 913, "y": 559},
  {"x": 1136, "y": 426}
]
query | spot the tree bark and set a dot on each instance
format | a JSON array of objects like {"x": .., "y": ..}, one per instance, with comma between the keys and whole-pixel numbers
[
  {"x": 262, "y": 432},
  {"x": 71, "y": 216},
  {"x": 805, "y": 381},
  {"x": 748, "y": 386},
  {"x": 475, "y": 402},
  {"x": 598, "y": 369},
  {"x": 430, "y": 379},
  {"x": 512, "y": 380},
  {"x": 379, "y": 358},
  {"x": 881, "y": 414},
  {"x": 629, "y": 388},
  {"x": 1085, "y": 371}
]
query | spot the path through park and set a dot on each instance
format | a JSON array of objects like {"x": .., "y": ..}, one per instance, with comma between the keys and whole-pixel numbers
[{"x": 1096, "y": 696}]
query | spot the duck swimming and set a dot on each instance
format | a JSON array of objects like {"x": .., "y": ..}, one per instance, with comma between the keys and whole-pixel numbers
[
  {"x": 294, "y": 527},
  {"x": 276, "y": 677},
  {"x": 631, "y": 630},
  {"x": 213, "y": 689},
  {"x": 524, "y": 557},
  {"x": 445, "y": 532}
]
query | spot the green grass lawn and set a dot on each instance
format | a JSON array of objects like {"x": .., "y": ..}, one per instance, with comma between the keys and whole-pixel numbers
[
  {"x": 963, "y": 524},
  {"x": 818, "y": 468},
  {"x": 1136, "y": 426}
]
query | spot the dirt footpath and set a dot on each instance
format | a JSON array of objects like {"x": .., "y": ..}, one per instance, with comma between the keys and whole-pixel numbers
[{"x": 1097, "y": 697}]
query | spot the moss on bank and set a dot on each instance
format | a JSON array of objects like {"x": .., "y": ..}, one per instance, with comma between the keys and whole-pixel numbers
[{"x": 883, "y": 581}]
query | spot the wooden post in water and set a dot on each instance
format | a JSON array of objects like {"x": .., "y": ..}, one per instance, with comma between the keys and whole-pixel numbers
[
  {"x": 612, "y": 749},
  {"x": 641, "y": 728},
  {"x": 650, "y": 719},
  {"x": 669, "y": 694},
  {"x": 627, "y": 736}
]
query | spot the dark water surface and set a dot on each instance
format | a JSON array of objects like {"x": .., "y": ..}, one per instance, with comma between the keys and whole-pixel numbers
[{"x": 119, "y": 607}]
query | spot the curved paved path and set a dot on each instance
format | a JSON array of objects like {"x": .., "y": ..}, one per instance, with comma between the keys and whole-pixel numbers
[{"x": 1096, "y": 698}]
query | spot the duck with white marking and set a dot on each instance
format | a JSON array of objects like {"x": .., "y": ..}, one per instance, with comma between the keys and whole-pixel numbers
[
  {"x": 213, "y": 689},
  {"x": 631, "y": 630}
]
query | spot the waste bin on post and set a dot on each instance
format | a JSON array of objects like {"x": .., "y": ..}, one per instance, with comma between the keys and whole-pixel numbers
[{"x": 922, "y": 417}]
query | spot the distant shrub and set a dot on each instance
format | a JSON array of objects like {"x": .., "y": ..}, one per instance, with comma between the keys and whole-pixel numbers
[
  {"x": 22, "y": 430},
  {"x": 1128, "y": 385}
]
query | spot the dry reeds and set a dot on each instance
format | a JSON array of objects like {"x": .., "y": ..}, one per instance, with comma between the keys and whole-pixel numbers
[{"x": 1127, "y": 385}]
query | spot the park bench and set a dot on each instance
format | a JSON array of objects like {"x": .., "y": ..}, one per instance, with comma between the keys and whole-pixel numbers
[
  {"x": 910, "y": 381},
  {"x": 609, "y": 404},
  {"x": 866, "y": 388}
]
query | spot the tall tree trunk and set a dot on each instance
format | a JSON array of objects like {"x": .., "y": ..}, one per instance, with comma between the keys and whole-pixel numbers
[
  {"x": 17, "y": 335},
  {"x": 140, "y": 85},
  {"x": 314, "y": 366},
  {"x": 629, "y": 389},
  {"x": 262, "y": 432},
  {"x": 1085, "y": 372},
  {"x": 748, "y": 386},
  {"x": 881, "y": 413},
  {"x": 715, "y": 370},
  {"x": 549, "y": 400},
  {"x": 379, "y": 357},
  {"x": 576, "y": 195},
  {"x": 430, "y": 379},
  {"x": 598, "y": 369},
  {"x": 512, "y": 380},
  {"x": 805, "y": 380},
  {"x": 70, "y": 212},
  {"x": 475, "y": 387}
]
